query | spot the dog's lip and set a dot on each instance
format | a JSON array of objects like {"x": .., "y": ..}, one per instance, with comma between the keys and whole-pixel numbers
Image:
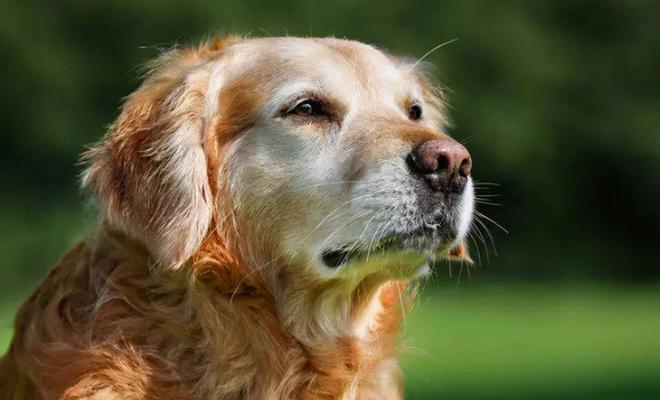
[{"x": 336, "y": 257}]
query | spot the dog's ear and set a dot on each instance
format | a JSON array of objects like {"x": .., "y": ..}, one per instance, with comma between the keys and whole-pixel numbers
[
  {"x": 149, "y": 174},
  {"x": 459, "y": 253}
]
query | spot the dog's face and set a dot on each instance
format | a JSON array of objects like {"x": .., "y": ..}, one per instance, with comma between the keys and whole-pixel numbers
[{"x": 320, "y": 153}]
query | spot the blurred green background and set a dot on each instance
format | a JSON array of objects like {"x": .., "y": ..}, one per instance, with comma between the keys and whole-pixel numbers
[{"x": 558, "y": 102}]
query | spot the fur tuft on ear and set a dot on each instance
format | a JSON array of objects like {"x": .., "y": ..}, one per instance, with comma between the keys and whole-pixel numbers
[
  {"x": 459, "y": 253},
  {"x": 149, "y": 174}
]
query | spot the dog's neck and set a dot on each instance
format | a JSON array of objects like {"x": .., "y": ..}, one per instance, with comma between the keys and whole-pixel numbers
[
  {"x": 347, "y": 331},
  {"x": 336, "y": 337}
]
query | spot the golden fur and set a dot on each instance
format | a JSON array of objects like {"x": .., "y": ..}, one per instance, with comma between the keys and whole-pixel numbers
[{"x": 185, "y": 291}]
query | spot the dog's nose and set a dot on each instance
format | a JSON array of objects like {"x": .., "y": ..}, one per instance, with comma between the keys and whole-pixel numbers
[{"x": 445, "y": 164}]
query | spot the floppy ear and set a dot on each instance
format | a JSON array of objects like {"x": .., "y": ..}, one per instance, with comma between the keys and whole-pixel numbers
[
  {"x": 149, "y": 174},
  {"x": 459, "y": 253}
]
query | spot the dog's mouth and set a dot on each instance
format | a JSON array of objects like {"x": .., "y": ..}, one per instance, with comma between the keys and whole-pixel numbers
[
  {"x": 427, "y": 240},
  {"x": 334, "y": 258}
]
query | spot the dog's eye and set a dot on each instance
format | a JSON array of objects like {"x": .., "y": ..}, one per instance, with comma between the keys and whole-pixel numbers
[
  {"x": 308, "y": 108},
  {"x": 415, "y": 112}
]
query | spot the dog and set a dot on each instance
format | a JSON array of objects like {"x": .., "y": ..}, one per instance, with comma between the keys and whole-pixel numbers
[{"x": 266, "y": 209}]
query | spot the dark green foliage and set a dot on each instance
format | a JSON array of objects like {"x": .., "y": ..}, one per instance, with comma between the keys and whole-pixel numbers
[{"x": 558, "y": 101}]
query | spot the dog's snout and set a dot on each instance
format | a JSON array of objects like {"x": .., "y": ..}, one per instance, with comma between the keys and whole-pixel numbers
[{"x": 444, "y": 163}]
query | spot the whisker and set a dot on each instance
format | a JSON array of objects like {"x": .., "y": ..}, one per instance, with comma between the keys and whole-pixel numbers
[
  {"x": 341, "y": 182},
  {"x": 356, "y": 242},
  {"x": 490, "y": 236},
  {"x": 481, "y": 237},
  {"x": 476, "y": 246},
  {"x": 380, "y": 232},
  {"x": 467, "y": 269},
  {"x": 487, "y": 203},
  {"x": 460, "y": 273},
  {"x": 370, "y": 195},
  {"x": 491, "y": 221},
  {"x": 428, "y": 53},
  {"x": 467, "y": 140},
  {"x": 337, "y": 230}
]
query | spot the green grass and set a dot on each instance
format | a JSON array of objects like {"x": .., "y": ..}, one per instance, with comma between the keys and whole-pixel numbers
[
  {"x": 525, "y": 342},
  {"x": 533, "y": 342}
]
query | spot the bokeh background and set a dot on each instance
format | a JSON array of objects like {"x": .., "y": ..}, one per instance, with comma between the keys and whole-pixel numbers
[{"x": 558, "y": 102}]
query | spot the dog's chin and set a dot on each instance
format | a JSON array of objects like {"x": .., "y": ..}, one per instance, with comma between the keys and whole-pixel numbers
[{"x": 402, "y": 254}]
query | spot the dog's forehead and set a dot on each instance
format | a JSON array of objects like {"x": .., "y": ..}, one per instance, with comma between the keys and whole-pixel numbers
[
  {"x": 315, "y": 51},
  {"x": 331, "y": 63}
]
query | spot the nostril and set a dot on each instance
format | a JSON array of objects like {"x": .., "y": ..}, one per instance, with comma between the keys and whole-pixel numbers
[
  {"x": 444, "y": 161},
  {"x": 465, "y": 167},
  {"x": 426, "y": 160}
]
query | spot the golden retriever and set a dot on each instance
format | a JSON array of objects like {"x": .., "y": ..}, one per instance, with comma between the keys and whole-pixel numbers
[{"x": 266, "y": 206}]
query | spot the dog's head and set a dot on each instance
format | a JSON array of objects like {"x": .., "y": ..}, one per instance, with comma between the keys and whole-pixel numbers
[{"x": 323, "y": 154}]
